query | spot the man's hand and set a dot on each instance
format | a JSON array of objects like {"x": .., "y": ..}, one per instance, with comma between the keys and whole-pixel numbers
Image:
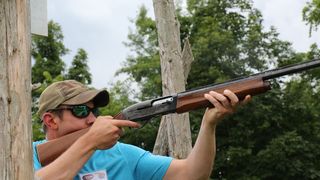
[
  {"x": 106, "y": 131},
  {"x": 224, "y": 104}
]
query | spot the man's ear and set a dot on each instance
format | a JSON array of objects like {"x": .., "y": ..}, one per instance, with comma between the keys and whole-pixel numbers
[{"x": 50, "y": 120}]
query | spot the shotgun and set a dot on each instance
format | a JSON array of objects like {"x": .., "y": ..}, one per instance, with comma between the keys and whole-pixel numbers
[{"x": 178, "y": 103}]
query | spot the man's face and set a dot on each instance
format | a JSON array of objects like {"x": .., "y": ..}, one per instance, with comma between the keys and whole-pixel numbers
[{"x": 70, "y": 123}]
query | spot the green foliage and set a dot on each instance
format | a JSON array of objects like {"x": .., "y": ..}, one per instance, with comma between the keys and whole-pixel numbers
[
  {"x": 311, "y": 14},
  {"x": 144, "y": 68},
  {"x": 276, "y": 140},
  {"x": 47, "y": 52},
  {"x": 228, "y": 41},
  {"x": 120, "y": 97},
  {"x": 79, "y": 69},
  {"x": 291, "y": 155}
]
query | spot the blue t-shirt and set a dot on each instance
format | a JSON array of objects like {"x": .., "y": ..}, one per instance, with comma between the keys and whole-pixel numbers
[{"x": 122, "y": 161}]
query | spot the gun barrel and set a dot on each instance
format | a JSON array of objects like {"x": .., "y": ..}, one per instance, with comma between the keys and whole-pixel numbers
[{"x": 289, "y": 69}]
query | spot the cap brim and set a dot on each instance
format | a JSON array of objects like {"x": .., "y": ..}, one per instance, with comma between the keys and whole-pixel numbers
[{"x": 99, "y": 98}]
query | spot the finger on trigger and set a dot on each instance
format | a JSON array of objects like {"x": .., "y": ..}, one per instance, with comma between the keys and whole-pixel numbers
[
  {"x": 108, "y": 117},
  {"x": 126, "y": 123}
]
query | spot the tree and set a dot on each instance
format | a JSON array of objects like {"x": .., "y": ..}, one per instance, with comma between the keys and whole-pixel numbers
[
  {"x": 174, "y": 136},
  {"x": 311, "y": 14},
  {"x": 15, "y": 90},
  {"x": 144, "y": 44},
  {"x": 79, "y": 69},
  {"x": 47, "y": 53}
]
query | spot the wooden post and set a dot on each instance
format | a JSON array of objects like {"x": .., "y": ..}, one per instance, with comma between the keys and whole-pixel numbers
[
  {"x": 174, "y": 136},
  {"x": 15, "y": 91}
]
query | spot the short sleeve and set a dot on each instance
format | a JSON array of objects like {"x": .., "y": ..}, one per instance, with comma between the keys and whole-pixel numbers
[
  {"x": 146, "y": 165},
  {"x": 36, "y": 163}
]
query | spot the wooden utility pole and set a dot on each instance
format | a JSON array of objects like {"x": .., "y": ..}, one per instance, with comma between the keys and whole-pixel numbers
[
  {"x": 174, "y": 136},
  {"x": 15, "y": 91}
]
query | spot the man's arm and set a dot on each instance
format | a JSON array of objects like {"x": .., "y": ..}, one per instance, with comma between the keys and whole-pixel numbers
[
  {"x": 69, "y": 163},
  {"x": 103, "y": 134},
  {"x": 199, "y": 163}
]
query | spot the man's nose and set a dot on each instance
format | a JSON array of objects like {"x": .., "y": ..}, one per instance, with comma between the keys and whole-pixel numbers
[{"x": 91, "y": 118}]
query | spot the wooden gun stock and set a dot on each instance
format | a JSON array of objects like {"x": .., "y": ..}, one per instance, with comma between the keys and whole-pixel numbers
[
  {"x": 49, "y": 151},
  {"x": 177, "y": 103},
  {"x": 191, "y": 101}
]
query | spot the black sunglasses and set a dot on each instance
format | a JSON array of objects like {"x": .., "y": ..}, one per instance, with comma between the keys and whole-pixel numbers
[{"x": 80, "y": 111}]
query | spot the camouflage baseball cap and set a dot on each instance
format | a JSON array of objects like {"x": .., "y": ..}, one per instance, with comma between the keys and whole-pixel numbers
[{"x": 70, "y": 92}]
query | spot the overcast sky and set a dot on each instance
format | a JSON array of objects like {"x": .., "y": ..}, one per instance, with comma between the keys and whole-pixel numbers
[{"x": 101, "y": 26}]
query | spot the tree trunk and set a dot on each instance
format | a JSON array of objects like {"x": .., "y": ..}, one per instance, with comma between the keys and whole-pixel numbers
[
  {"x": 15, "y": 91},
  {"x": 174, "y": 136}
]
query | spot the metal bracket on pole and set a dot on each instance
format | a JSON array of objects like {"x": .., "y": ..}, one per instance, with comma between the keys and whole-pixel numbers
[{"x": 39, "y": 22}]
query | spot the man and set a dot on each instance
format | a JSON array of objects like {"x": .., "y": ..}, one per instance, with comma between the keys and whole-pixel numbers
[{"x": 68, "y": 106}]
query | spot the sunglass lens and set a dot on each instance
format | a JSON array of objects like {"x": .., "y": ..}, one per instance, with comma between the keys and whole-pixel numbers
[
  {"x": 96, "y": 112},
  {"x": 80, "y": 111}
]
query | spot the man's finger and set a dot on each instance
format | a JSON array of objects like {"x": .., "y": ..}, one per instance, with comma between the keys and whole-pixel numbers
[
  {"x": 213, "y": 101},
  {"x": 246, "y": 100},
  {"x": 108, "y": 117},
  {"x": 221, "y": 98},
  {"x": 125, "y": 123},
  {"x": 232, "y": 97}
]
